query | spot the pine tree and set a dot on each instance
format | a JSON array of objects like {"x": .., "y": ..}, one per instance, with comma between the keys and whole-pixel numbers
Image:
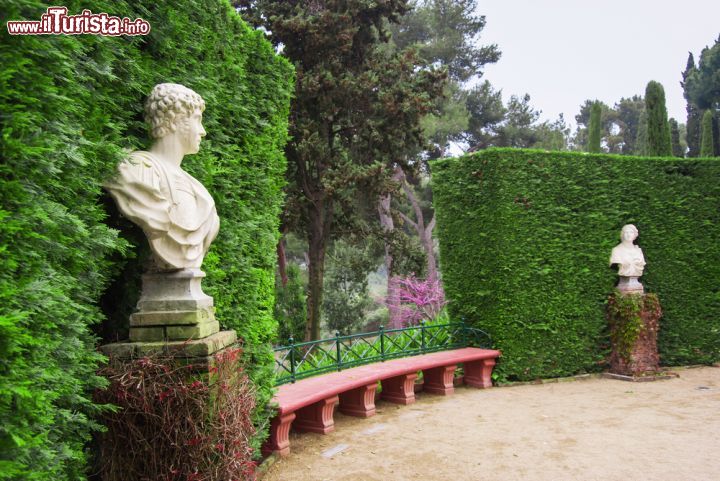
[
  {"x": 594, "y": 128},
  {"x": 357, "y": 107},
  {"x": 706, "y": 135},
  {"x": 658, "y": 129},
  {"x": 677, "y": 150}
]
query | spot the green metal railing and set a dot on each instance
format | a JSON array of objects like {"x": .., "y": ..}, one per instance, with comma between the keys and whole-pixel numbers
[{"x": 300, "y": 360}]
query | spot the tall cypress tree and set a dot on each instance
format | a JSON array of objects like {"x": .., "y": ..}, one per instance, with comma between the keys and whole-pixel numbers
[
  {"x": 594, "y": 128},
  {"x": 641, "y": 141},
  {"x": 658, "y": 129},
  {"x": 706, "y": 136},
  {"x": 693, "y": 113},
  {"x": 675, "y": 138}
]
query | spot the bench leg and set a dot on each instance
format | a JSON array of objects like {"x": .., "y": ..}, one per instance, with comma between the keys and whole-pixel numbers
[
  {"x": 477, "y": 373},
  {"x": 279, "y": 441},
  {"x": 399, "y": 389},
  {"x": 318, "y": 417},
  {"x": 439, "y": 380},
  {"x": 359, "y": 402}
]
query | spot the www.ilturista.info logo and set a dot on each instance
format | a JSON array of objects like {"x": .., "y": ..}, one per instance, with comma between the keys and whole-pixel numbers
[{"x": 56, "y": 21}]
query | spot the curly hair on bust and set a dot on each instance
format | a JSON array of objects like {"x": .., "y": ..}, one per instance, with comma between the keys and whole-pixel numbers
[{"x": 166, "y": 103}]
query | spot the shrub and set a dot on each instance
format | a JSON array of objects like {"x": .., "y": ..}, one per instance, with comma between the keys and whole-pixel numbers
[
  {"x": 706, "y": 135},
  {"x": 290, "y": 307},
  {"x": 169, "y": 424},
  {"x": 525, "y": 239},
  {"x": 416, "y": 300}
]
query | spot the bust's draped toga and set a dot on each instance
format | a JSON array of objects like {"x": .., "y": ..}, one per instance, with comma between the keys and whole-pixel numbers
[{"x": 174, "y": 210}]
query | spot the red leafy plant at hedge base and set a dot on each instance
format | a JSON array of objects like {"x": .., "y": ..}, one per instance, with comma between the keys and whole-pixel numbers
[
  {"x": 173, "y": 424},
  {"x": 415, "y": 300}
]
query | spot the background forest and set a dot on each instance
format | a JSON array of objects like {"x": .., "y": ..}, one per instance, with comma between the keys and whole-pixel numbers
[{"x": 369, "y": 224}]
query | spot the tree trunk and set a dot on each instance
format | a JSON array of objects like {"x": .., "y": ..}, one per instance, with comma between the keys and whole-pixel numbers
[
  {"x": 282, "y": 260},
  {"x": 424, "y": 232},
  {"x": 386, "y": 222},
  {"x": 319, "y": 223}
]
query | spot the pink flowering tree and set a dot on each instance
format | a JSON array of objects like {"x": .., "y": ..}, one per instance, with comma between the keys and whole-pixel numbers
[{"x": 415, "y": 300}]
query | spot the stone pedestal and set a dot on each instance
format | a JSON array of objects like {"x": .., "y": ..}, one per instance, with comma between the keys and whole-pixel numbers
[
  {"x": 634, "y": 322},
  {"x": 630, "y": 285},
  {"x": 173, "y": 307},
  {"x": 175, "y": 318},
  {"x": 198, "y": 352}
]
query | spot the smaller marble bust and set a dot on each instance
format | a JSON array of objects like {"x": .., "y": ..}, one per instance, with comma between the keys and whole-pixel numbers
[
  {"x": 629, "y": 258},
  {"x": 174, "y": 210}
]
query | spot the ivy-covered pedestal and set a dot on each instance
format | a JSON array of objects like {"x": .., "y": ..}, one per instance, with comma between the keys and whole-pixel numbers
[{"x": 634, "y": 321}]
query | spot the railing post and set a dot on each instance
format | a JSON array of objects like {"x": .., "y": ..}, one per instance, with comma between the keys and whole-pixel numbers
[
  {"x": 422, "y": 335},
  {"x": 382, "y": 343},
  {"x": 292, "y": 359},
  {"x": 337, "y": 350}
]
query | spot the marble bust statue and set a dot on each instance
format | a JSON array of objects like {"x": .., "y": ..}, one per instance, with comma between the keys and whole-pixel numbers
[
  {"x": 174, "y": 210},
  {"x": 629, "y": 258}
]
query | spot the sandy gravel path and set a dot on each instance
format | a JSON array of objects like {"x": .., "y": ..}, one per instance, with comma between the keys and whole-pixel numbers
[{"x": 594, "y": 429}]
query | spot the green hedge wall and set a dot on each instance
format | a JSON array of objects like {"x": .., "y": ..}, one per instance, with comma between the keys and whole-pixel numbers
[
  {"x": 69, "y": 105},
  {"x": 525, "y": 239}
]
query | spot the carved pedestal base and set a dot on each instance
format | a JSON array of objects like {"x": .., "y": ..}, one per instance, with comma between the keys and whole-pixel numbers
[
  {"x": 318, "y": 417},
  {"x": 439, "y": 380},
  {"x": 479, "y": 373},
  {"x": 359, "y": 402},
  {"x": 400, "y": 389},
  {"x": 279, "y": 440}
]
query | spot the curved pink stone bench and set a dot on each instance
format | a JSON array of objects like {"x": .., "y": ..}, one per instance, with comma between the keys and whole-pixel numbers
[{"x": 309, "y": 404}]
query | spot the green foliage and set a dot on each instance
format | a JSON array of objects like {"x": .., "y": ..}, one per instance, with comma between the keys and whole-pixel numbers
[
  {"x": 693, "y": 112},
  {"x": 290, "y": 305},
  {"x": 641, "y": 142},
  {"x": 357, "y": 109},
  {"x": 446, "y": 32},
  {"x": 594, "y": 128},
  {"x": 658, "y": 129},
  {"x": 346, "y": 297},
  {"x": 706, "y": 135},
  {"x": 525, "y": 238},
  {"x": 618, "y": 125},
  {"x": 701, "y": 86},
  {"x": 516, "y": 125},
  {"x": 702, "y": 83},
  {"x": 677, "y": 149},
  {"x": 70, "y": 104},
  {"x": 628, "y": 112}
]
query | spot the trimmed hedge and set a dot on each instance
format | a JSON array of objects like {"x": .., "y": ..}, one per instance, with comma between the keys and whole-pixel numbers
[
  {"x": 68, "y": 106},
  {"x": 525, "y": 238}
]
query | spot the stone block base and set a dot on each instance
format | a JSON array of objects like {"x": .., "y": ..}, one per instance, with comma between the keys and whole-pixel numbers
[{"x": 196, "y": 351}]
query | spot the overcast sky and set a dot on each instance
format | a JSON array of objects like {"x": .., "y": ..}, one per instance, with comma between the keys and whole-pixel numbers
[{"x": 562, "y": 52}]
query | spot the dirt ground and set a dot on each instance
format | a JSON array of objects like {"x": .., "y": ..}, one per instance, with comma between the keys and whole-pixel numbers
[{"x": 586, "y": 430}]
